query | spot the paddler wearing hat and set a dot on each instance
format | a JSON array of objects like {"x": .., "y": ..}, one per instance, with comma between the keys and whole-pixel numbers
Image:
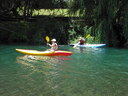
[{"x": 54, "y": 46}]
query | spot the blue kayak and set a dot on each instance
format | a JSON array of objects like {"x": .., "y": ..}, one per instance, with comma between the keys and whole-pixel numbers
[{"x": 89, "y": 45}]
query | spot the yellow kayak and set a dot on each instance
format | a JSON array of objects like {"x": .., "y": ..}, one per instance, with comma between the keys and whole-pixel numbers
[{"x": 44, "y": 53}]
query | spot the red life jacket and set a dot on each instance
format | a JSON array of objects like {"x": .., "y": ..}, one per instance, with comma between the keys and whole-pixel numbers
[{"x": 81, "y": 41}]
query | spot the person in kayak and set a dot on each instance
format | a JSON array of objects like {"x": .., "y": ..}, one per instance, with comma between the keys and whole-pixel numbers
[
  {"x": 54, "y": 46},
  {"x": 81, "y": 41}
]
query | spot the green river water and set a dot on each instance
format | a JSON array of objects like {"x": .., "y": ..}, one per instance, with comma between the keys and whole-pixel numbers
[{"x": 88, "y": 72}]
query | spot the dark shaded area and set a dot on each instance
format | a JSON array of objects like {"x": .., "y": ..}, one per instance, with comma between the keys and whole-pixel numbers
[
  {"x": 34, "y": 31},
  {"x": 28, "y": 29}
]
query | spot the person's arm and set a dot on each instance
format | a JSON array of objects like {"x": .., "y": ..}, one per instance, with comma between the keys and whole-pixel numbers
[{"x": 49, "y": 44}]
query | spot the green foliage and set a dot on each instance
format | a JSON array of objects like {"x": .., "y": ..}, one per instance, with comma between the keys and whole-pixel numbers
[
  {"x": 25, "y": 8},
  {"x": 88, "y": 36},
  {"x": 105, "y": 17},
  {"x": 105, "y": 20},
  {"x": 72, "y": 34},
  {"x": 125, "y": 27}
]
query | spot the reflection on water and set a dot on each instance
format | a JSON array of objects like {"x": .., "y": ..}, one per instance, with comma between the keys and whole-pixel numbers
[
  {"x": 80, "y": 49},
  {"x": 49, "y": 67},
  {"x": 47, "y": 61}
]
